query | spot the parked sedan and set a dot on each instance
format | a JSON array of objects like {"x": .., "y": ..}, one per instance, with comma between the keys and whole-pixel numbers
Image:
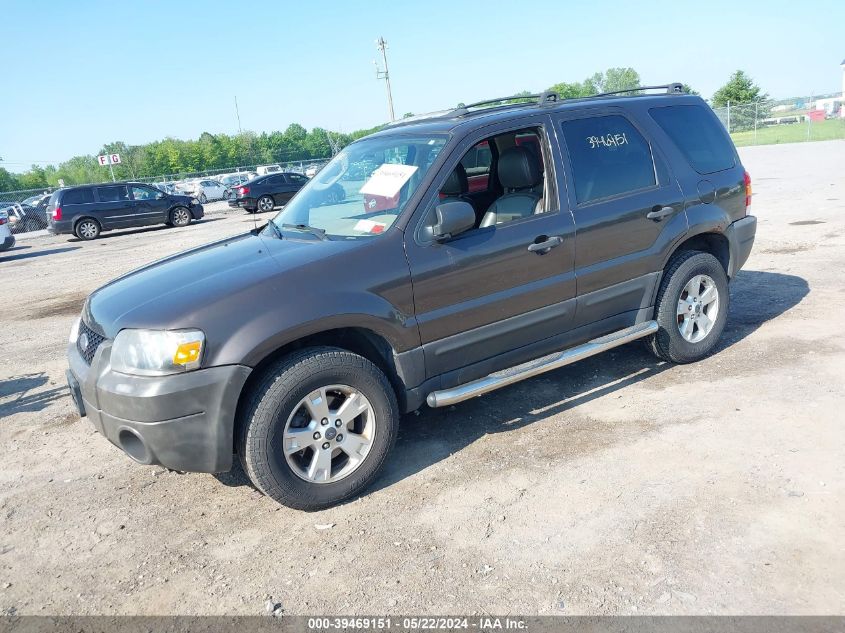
[
  {"x": 267, "y": 192},
  {"x": 205, "y": 190},
  {"x": 233, "y": 180}
]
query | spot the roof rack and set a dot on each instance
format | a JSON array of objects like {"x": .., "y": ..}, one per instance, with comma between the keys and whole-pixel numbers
[
  {"x": 673, "y": 88},
  {"x": 542, "y": 98}
]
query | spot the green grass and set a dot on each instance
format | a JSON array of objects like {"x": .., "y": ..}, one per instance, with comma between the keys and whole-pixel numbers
[{"x": 792, "y": 133}]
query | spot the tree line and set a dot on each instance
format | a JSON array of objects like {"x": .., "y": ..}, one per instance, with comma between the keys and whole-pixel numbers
[{"x": 221, "y": 151}]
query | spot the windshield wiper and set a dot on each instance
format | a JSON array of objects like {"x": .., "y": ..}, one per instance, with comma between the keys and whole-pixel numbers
[{"x": 313, "y": 230}]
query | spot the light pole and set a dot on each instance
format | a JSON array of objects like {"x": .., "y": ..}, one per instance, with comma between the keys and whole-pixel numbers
[{"x": 384, "y": 74}]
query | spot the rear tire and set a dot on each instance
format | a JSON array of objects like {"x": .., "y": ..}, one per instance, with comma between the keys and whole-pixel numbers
[
  {"x": 203, "y": 198},
  {"x": 266, "y": 203},
  {"x": 691, "y": 309},
  {"x": 87, "y": 229},
  {"x": 299, "y": 442}
]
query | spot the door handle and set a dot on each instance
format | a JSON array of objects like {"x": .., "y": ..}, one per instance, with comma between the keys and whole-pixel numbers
[
  {"x": 658, "y": 213},
  {"x": 545, "y": 246}
]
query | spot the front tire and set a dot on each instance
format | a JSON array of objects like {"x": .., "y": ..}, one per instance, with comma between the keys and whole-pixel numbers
[
  {"x": 692, "y": 308},
  {"x": 180, "y": 216},
  {"x": 317, "y": 428}
]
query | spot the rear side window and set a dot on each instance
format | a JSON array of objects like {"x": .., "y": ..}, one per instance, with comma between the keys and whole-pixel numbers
[
  {"x": 78, "y": 196},
  {"x": 698, "y": 134},
  {"x": 112, "y": 194},
  {"x": 609, "y": 157}
]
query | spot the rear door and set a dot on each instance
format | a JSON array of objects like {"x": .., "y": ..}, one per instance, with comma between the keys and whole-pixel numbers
[
  {"x": 295, "y": 182},
  {"x": 113, "y": 207},
  {"x": 151, "y": 205},
  {"x": 277, "y": 186},
  {"x": 626, "y": 206}
]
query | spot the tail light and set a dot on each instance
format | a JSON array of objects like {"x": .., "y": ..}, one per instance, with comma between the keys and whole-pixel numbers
[
  {"x": 57, "y": 213},
  {"x": 747, "y": 190},
  {"x": 3, "y": 220},
  {"x": 242, "y": 191}
]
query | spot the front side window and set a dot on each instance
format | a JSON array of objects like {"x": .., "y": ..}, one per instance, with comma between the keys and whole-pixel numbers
[
  {"x": 144, "y": 193},
  {"x": 362, "y": 191},
  {"x": 609, "y": 157},
  {"x": 477, "y": 163}
]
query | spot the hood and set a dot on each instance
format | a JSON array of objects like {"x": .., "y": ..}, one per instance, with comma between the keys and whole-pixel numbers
[{"x": 192, "y": 288}]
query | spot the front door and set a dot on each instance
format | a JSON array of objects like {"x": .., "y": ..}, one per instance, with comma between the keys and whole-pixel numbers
[
  {"x": 495, "y": 288},
  {"x": 625, "y": 204},
  {"x": 151, "y": 205}
]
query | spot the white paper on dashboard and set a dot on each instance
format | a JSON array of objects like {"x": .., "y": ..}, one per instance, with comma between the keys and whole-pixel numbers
[{"x": 388, "y": 179}]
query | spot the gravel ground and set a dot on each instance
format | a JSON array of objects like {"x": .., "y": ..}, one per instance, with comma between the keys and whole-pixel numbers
[{"x": 615, "y": 486}]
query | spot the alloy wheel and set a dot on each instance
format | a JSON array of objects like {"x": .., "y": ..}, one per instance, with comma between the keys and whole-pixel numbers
[
  {"x": 698, "y": 308},
  {"x": 181, "y": 217},
  {"x": 87, "y": 230},
  {"x": 329, "y": 434}
]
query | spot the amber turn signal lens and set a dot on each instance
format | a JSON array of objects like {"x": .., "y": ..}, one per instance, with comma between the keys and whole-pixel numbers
[{"x": 187, "y": 353}]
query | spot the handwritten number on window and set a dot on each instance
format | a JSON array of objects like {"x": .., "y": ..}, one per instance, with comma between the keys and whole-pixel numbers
[{"x": 616, "y": 139}]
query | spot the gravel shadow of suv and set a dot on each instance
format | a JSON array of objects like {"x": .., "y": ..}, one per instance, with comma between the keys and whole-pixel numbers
[{"x": 592, "y": 223}]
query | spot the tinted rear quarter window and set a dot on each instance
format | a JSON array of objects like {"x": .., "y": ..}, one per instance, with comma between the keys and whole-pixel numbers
[
  {"x": 78, "y": 196},
  {"x": 609, "y": 157},
  {"x": 699, "y": 136}
]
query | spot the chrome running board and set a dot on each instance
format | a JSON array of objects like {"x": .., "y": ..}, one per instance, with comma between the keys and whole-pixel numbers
[{"x": 538, "y": 366}]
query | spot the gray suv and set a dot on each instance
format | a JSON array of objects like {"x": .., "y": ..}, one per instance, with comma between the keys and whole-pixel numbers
[{"x": 473, "y": 248}]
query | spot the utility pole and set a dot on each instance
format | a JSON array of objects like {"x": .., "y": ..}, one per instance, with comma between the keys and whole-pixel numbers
[
  {"x": 238, "y": 115},
  {"x": 384, "y": 74}
]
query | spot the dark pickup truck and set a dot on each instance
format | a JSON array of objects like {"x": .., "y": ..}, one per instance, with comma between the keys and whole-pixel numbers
[{"x": 298, "y": 345}]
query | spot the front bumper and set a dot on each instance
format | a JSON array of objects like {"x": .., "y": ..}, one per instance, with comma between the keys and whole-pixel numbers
[
  {"x": 740, "y": 236},
  {"x": 8, "y": 242},
  {"x": 197, "y": 211},
  {"x": 183, "y": 421}
]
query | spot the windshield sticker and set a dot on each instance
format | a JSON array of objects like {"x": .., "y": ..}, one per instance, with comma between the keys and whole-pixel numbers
[
  {"x": 387, "y": 180},
  {"x": 608, "y": 140},
  {"x": 368, "y": 226}
]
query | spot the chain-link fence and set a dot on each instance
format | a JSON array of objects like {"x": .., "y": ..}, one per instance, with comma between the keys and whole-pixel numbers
[
  {"x": 27, "y": 209},
  {"x": 785, "y": 121}
]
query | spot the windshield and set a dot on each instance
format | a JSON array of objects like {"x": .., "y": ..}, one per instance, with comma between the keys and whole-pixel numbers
[{"x": 363, "y": 190}]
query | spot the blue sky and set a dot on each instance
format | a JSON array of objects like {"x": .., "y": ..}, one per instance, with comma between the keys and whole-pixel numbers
[{"x": 80, "y": 74}]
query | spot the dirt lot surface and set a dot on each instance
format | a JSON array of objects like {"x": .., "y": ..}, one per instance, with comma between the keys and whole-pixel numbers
[{"x": 617, "y": 485}]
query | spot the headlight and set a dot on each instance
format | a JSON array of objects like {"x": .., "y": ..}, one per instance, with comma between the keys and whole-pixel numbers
[
  {"x": 74, "y": 331},
  {"x": 157, "y": 352},
  {"x": 194, "y": 201}
]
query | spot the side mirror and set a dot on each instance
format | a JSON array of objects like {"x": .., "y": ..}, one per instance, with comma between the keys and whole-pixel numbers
[
  {"x": 161, "y": 196},
  {"x": 453, "y": 218}
]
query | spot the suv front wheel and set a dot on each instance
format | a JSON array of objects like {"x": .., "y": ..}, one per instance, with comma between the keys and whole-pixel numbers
[
  {"x": 317, "y": 428},
  {"x": 692, "y": 307}
]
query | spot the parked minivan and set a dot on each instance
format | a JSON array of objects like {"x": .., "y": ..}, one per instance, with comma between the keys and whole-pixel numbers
[{"x": 88, "y": 210}]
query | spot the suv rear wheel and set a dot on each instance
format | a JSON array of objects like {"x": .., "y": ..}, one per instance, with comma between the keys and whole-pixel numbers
[
  {"x": 87, "y": 229},
  {"x": 317, "y": 429},
  {"x": 692, "y": 307}
]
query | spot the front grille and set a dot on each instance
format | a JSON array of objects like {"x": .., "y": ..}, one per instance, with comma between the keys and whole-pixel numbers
[{"x": 92, "y": 340}]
